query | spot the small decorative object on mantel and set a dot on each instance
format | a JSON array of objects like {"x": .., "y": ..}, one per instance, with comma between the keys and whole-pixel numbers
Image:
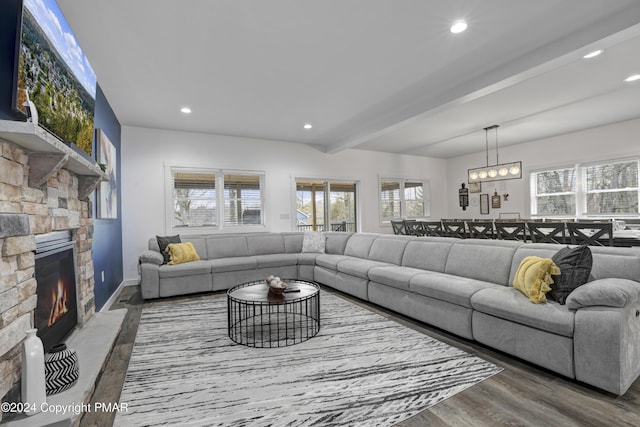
[
  {"x": 495, "y": 200},
  {"x": 61, "y": 368},
  {"x": 276, "y": 285}
]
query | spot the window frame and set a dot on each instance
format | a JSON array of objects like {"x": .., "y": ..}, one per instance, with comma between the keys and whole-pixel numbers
[
  {"x": 220, "y": 201},
  {"x": 327, "y": 182},
  {"x": 426, "y": 198},
  {"x": 581, "y": 191}
]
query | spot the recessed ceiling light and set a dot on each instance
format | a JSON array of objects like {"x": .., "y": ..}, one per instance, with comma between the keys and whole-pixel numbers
[
  {"x": 308, "y": 126},
  {"x": 632, "y": 78},
  {"x": 186, "y": 110},
  {"x": 458, "y": 27},
  {"x": 593, "y": 54}
]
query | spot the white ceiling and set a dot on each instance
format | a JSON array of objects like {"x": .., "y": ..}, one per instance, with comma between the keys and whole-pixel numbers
[{"x": 384, "y": 75}]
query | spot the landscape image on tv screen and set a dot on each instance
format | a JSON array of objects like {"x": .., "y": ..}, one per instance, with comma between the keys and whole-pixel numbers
[{"x": 54, "y": 70}]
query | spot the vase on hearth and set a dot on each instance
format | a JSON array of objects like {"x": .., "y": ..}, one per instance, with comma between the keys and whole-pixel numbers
[
  {"x": 33, "y": 389},
  {"x": 61, "y": 368}
]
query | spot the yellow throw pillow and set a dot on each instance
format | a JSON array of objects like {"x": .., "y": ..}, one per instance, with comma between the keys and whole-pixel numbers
[
  {"x": 182, "y": 252},
  {"x": 534, "y": 277}
]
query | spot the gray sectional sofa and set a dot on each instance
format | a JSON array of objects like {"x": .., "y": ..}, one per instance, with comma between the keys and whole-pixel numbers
[{"x": 460, "y": 285}]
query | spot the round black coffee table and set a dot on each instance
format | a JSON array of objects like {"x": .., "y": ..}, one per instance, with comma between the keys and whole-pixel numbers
[{"x": 259, "y": 318}]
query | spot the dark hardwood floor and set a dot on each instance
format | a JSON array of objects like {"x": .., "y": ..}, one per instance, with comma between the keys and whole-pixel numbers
[{"x": 521, "y": 395}]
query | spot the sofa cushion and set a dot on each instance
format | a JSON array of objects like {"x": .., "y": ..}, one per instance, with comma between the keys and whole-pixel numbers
[
  {"x": 313, "y": 242},
  {"x": 533, "y": 278},
  {"x": 359, "y": 245},
  {"x": 394, "y": 276},
  {"x": 227, "y": 247},
  {"x": 265, "y": 244},
  {"x": 180, "y": 253},
  {"x": 388, "y": 249},
  {"x": 163, "y": 242},
  {"x": 445, "y": 287},
  {"x": 276, "y": 260},
  {"x": 359, "y": 267},
  {"x": 199, "y": 243},
  {"x": 221, "y": 265},
  {"x": 427, "y": 254},
  {"x": 508, "y": 303},
  {"x": 330, "y": 261},
  {"x": 336, "y": 242},
  {"x": 575, "y": 268},
  {"x": 612, "y": 292},
  {"x": 293, "y": 242},
  {"x": 186, "y": 269},
  {"x": 486, "y": 260},
  {"x": 307, "y": 258}
]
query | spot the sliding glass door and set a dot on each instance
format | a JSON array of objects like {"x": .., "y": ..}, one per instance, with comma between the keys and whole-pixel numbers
[{"x": 326, "y": 205}]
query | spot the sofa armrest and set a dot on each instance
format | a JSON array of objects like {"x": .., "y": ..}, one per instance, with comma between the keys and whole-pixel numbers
[
  {"x": 611, "y": 292},
  {"x": 151, "y": 257},
  {"x": 150, "y": 280}
]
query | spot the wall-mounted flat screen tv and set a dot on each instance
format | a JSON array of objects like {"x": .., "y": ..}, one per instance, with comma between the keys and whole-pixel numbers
[{"x": 54, "y": 71}]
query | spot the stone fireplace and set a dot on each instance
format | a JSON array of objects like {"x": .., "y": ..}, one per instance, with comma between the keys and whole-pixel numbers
[{"x": 43, "y": 189}]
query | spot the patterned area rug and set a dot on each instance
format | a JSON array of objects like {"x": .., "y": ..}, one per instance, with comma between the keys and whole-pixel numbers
[{"x": 360, "y": 370}]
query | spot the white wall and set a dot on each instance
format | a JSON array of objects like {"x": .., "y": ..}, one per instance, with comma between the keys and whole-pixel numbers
[
  {"x": 603, "y": 143},
  {"x": 145, "y": 152}
]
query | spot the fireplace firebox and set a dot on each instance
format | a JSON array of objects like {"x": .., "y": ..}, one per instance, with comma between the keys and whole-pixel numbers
[{"x": 56, "y": 312}]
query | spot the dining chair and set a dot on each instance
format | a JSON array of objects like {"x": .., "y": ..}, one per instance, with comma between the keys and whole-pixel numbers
[
  {"x": 547, "y": 232},
  {"x": 433, "y": 228},
  {"x": 414, "y": 228},
  {"x": 398, "y": 227},
  {"x": 481, "y": 229},
  {"x": 591, "y": 233},
  {"x": 454, "y": 229},
  {"x": 511, "y": 230}
]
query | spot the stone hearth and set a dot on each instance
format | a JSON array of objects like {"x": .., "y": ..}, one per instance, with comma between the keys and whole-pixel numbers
[{"x": 28, "y": 208}]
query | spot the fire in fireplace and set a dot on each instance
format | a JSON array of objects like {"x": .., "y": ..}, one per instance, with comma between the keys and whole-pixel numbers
[{"x": 56, "y": 310}]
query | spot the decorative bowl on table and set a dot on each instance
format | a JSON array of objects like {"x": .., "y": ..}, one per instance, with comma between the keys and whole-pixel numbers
[{"x": 276, "y": 285}]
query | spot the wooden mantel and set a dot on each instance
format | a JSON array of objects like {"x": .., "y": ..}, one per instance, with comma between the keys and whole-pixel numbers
[{"x": 48, "y": 154}]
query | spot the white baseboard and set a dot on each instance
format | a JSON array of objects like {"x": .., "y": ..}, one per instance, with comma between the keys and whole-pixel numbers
[{"x": 107, "y": 305}]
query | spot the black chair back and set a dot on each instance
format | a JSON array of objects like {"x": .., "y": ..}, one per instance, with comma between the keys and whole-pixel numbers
[
  {"x": 454, "y": 229},
  {"x": 511, "y": 230},
  {"x": 398, "y": 227},
  {"x": 414, "y": 228},
  {"x": 433, "y": 228},
  {"x": 547, "y": 232},
  {"x": 481, "y": 229},
  {"x": 591, "y": 233}
]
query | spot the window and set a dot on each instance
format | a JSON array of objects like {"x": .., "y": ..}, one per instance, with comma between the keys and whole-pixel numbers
[
  {"x": 403, "y": 198},
  {"x": 554, "y": 192},
  {"x": 597, "y": 189},
  {"x": 319, "y": 199},
  {"x": 215, "y": 198},
  {"x": 612, "y": 188}
]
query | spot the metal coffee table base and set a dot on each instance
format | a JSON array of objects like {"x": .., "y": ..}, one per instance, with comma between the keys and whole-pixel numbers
[{"x": 257, "y": 318}]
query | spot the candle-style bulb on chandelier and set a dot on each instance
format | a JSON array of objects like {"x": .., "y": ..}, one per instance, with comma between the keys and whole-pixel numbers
[{"x": 498, "y": 171}]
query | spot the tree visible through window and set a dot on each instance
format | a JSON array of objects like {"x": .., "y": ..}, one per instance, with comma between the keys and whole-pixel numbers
[{"x": 598, "y": 189}]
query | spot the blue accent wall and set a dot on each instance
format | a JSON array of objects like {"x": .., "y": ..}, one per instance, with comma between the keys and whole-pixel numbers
[{"x": 107, "y": 233}]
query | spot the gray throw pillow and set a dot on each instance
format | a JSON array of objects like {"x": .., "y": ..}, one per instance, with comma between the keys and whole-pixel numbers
[{"x": 575, "y": 267}]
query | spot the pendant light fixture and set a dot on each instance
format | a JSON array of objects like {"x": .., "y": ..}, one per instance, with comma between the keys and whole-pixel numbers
[{"x": 498, "y": 171}]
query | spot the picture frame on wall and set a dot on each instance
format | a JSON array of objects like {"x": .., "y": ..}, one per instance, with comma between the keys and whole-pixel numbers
[
  {"x": 475, "y": 187},
  {"x": 484, "y": 204},
  {"x": 107, "y": 194}
]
